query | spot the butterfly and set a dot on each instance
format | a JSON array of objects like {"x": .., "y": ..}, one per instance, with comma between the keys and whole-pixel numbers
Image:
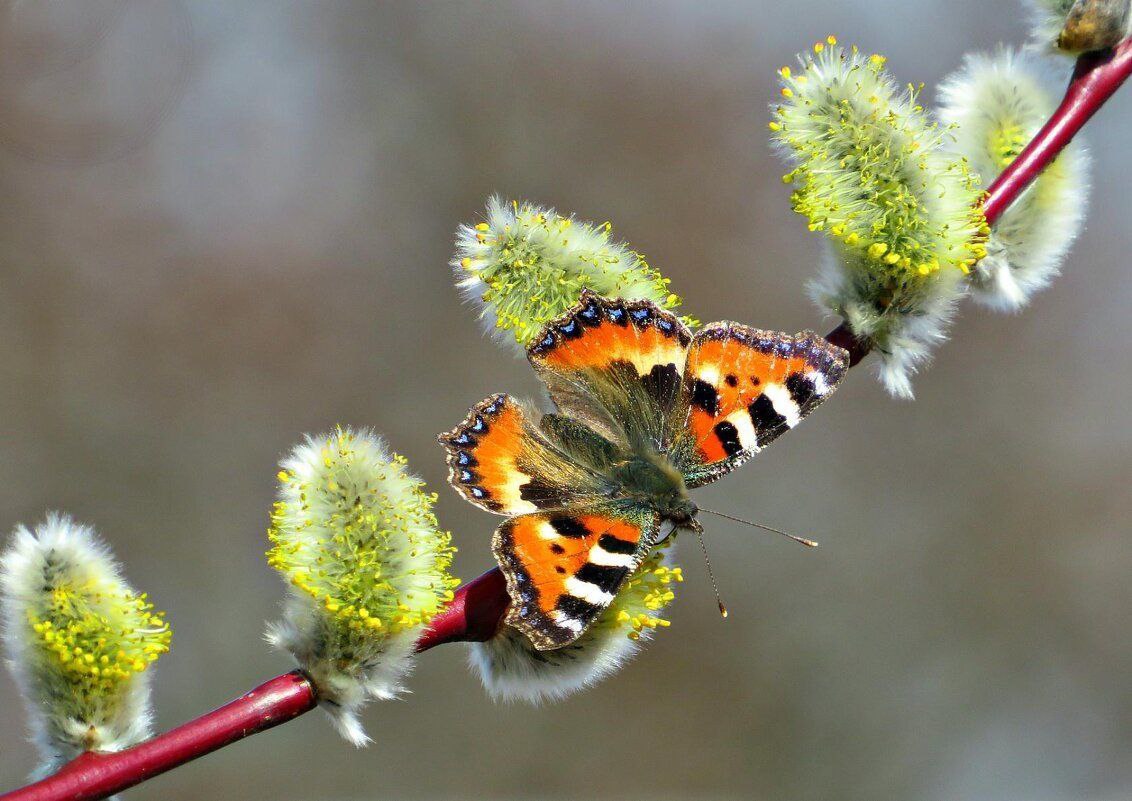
[{"x": 644, "y": 411}]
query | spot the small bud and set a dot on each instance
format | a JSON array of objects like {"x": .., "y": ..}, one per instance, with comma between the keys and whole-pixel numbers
[
  {"x": 869, "y": 169},
  {"x": 79, "y": 641},
  {"x": 1080, "y": 26},
  {"x": 511, "y": 668},
  {"x": 526, "y": 265},
  {"x": 994, "y": 106},
  {"x": 366, "y": 568}
]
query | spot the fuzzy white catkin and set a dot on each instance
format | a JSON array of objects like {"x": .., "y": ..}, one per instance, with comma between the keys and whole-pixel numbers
[
  {"x": 994, "y": 104},
  {"x": 512, "y": 669},
  {"x": 909, "y": 339},
  {"x": 61, "y": 573},
  {"x": 366, "y": 566},
  {"x": 869, "y": 170}
]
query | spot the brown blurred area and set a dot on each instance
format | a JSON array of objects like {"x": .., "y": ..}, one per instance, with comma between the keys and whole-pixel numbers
[{"x": 226, "y": 224}]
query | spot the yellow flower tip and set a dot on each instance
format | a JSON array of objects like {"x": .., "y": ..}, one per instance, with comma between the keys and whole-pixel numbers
[
  {"x": 877, "y": 250},
  {"x": 774, "y": 126},
  {"x": 877, "y": 60},
  {"x": 831, "y": 39},
  {"x": 482, "y": 226},
  {"x": 892, "y": 258},
  {"x": 787, "y": 92},
  {"x": 466, "y": 263}
]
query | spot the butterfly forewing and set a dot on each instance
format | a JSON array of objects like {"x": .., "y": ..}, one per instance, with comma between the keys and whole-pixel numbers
[
  {"x": 616, "y": 365},
  {"x": 565, "y": 567},
  {"x": 499, "y": 461},
  {"x": 745, "y": 388}
]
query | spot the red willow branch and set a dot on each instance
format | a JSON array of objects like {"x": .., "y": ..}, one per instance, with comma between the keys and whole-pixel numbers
[
  {"x": 475, "y": 612},
  {"x": 98, "y": 775}
]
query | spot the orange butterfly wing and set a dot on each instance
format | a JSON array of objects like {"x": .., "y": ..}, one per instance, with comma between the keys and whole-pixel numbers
[
  {"x": 616, "y": 366},
  {"x": 564, "y": 568},
  {"x": 499, "y": 461},
  {"x": 746, "y": 387}
]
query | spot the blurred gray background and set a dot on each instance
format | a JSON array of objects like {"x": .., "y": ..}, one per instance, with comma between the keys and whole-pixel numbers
[{"x": 226, "y": 224}]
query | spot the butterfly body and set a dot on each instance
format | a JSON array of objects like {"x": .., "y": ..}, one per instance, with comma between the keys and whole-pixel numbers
[
  {"x": 652, "y": 482},
  {"x": 644, "y": 412}
]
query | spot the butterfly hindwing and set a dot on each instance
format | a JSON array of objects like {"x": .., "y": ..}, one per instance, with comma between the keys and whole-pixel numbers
[
  {"x": 616, "y": 365},
  {"x": 499, "y": 461},
  {"x": 564, "y": 567},
  {"x": 745, "y": 388}
]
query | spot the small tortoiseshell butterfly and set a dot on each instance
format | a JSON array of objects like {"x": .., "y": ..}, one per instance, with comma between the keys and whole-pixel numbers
[{"x": 644, "y": 411}]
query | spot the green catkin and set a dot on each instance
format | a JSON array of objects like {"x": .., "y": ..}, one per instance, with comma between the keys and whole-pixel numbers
[
  {"x": 527, "y": 265},
  {"x": 354, "y": 536}
]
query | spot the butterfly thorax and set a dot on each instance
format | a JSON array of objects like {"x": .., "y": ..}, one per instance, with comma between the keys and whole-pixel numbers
[{"x": 650, "y": 480}]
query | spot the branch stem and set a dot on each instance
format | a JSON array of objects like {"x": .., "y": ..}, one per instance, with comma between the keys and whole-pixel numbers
[{"x": 98, "y": 774}]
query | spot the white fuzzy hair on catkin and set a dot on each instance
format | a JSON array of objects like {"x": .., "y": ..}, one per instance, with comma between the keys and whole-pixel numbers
[
  {"x": 63, "y": 724},
  {"x": 994, "y": 104}
]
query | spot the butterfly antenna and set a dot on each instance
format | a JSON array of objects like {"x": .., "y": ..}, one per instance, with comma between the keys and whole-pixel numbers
[
  {"x": 710, "y": 572},
  {"x": 801, "y": 540}
]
